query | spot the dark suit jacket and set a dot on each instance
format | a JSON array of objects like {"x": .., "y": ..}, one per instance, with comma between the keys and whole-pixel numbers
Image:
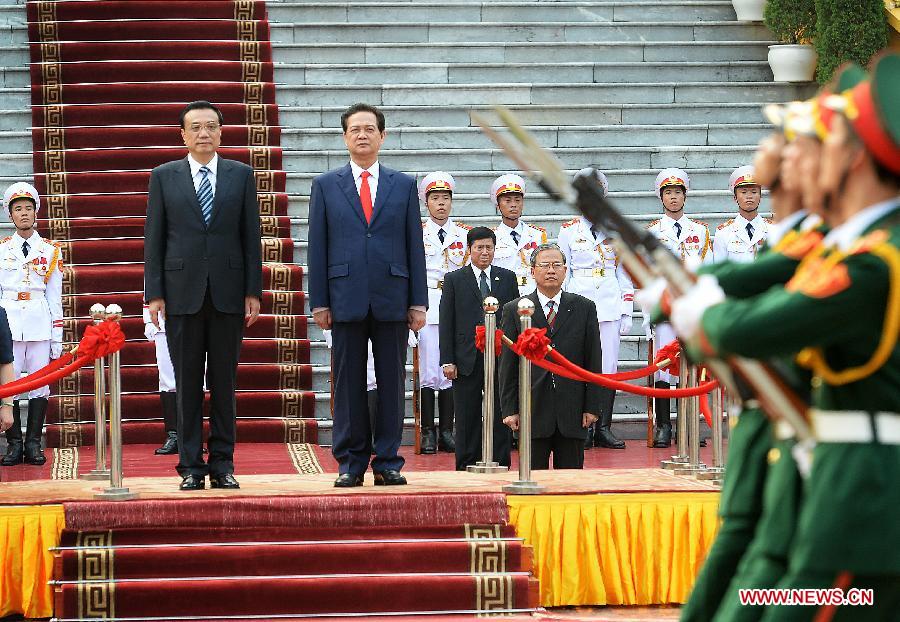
[
  {"x": 576, "y": 335},
  {"x": 182, "y": 255},
  {"x": 462, "y": 311},
  {"x": 354, "y": 265}
]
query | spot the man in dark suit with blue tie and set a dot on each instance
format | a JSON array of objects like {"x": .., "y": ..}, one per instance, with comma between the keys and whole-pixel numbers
[
  {"x": 367, "y": 281},
  {"x": 203, "y": 270}
]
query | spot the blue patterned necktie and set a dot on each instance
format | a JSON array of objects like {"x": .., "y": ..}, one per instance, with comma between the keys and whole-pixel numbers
[
  {"x": 749, "y": 230},
  {"x": 205, "y": 195}
]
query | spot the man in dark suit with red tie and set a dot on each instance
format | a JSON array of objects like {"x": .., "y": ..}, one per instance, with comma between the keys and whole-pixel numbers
[
  {"x": 203, "y": 270},
  {"x": 367, "y": 281},
  {"x": 561, "y": 408}
]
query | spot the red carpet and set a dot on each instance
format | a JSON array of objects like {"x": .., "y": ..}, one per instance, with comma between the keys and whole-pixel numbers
[{"x": 130, "y": 67}]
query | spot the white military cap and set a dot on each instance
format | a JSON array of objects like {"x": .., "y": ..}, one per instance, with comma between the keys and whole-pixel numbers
[
  {"x": 742, "y": 176},
  {"x": 598, "y": 175},
  {"x": 672, "y": 177},
  {"x": 438, "y": 180},
  {"x": 506, "y": 183},
  {"x": 21, "y": 190}
]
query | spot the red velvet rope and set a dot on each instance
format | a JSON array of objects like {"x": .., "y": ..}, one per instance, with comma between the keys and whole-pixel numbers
[{"x": 99, "y": 340}]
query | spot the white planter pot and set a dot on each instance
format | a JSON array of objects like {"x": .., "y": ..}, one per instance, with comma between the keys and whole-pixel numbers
[
  {"x": 749, "y": 10},
  {"x": 793, "y": 63}
]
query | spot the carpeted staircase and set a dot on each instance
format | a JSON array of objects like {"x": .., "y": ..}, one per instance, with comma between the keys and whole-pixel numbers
[
  {"x": 108, "y": 80},
  {"x": 379, "y": 555}
]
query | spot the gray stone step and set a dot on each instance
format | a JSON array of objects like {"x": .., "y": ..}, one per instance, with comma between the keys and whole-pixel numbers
[
  {"x": 514, "y": 51},
  {"x": 534, "y": 114},
  {"x": 526, "y": 93},
  {"x": 509, "y": 12},
  {"x": 421, "y": 32},
  {"x": 478, "y": 73},
  {"x": 547, "y": 136}
]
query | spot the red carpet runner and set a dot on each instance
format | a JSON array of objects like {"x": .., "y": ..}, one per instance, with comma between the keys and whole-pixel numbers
[
  {"x": 108, "y": 82},
  {"x": 383, "y": 554}
]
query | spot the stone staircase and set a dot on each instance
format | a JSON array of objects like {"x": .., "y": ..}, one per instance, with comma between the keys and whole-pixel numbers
[{"x": 628, "y": 86}]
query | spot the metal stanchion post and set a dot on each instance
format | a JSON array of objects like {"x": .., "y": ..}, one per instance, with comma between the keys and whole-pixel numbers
[
  {"x": 487, "y": 463},
  {"x": 717, "y": 471},
  {"x": 100, "y": 472},
  {"x": 681, "y": 458},
  {"x": 693, "y": 431},
  {"x": 116, "y": 491},
  {"x": 525, "y": 485}
]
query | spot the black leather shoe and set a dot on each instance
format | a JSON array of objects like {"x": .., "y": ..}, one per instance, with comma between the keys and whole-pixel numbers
[
  {"x": 446, "y": 442},
  {"x": 169, "y": 446},
  {"x": 192, "y": 482},
  {"x": 348, "y": 480},
  {"x": 605, "y": 438},
  {"x": 589, "y": 438},
  {"x": 225, "y": 480},
  {"x": 14, "y": 454},
  {"x": 663, "y": 436},
  {"x": 389, "y": 477},
  {"x": 429, "y": 446}
]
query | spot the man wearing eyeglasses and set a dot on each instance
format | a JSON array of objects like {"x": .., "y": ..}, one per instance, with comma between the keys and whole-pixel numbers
[
  {"x": 562, "y": 409},
  {"x": 203, "y": 270}
]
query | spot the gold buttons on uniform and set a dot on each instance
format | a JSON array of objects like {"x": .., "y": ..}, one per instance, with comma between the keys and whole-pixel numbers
[{"x": 774, "y": 455}]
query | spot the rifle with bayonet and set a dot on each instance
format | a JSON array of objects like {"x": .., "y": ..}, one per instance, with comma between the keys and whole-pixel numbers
[{"x": 645, "y": 258}]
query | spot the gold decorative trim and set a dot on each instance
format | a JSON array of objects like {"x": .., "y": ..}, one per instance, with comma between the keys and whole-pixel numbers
[
  {"x": 53, "y": 116},
  {"x": 257, "y": 136},
  {"x": 487, "y": 556},
  {"x": 251, "y": 71},
  {"x": 48, "y": 30},
  {"x": 56, "y": 184},
  {"x": 285, "y": 326},
  {"x": 69, "y": 384},
  {"x": 68, "y": 406},
  {"x": 46, "y": 11},
  {"x": 474, "y": 532},
  {"x": 70, "y": 278},
  {"x": 279, "y": 275},
  {"x": 268, "y": 226},
  {"x": 59, "y": 230},
  {"x": 96, "y": 573},
  {"x": 253, "y": 92},
  {"x": 289, "y": 377},
  {"x": 303, "y": 457},
  {"x": 51, "y": 73},
  {"x": 266, "y": 204},
  {"x": 57, "y": 206},
  {"x": 243, "y": 9},
  {"x": 54, "y": 161},
  {"x": 70, "y": 435},
  {"x": 70, "y": 326},
  {"x": 260, "y": 158},
  {"x": 65, "y": 463},
  {"x": 271, "y": 250},
  {"x": 256, "y": 114},
  {"x": 282, "y": 303},
  {"x": 52, "y": 94},
  {"x": 51, "y": 52},
  {"x": 287, "y": 352},
  {"x": 249, "y": 52},
  {"x": 246, "y": 30},
  {"x": 292, "y": 405},
  {"x": 54, "y": 138},
  {"x": 265, "y": 181},
  {"x": 493, "y": 592}
]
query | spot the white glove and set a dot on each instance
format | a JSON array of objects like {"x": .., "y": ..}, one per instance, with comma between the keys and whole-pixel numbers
[
  {"x": 412, "y": 340},
  {"x": 688, "y": 310},
  {"x": 625, "y": 325},
  {"x": 802, "y": 452},
  {"x": 150, "y": 331},
  {"x": 55, "y": 349},
  {"x": 327, "y": 335},
  {"x": 650, "y": 295}
]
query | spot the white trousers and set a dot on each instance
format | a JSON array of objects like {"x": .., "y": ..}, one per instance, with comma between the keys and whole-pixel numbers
[
  {"x": 609, "y": 343},
  {"x": 663, "y": 334},
  {"x": 430, "y": 374},
  {"x": 164, "y": 363},
  {"x": 29, "y": 357}
]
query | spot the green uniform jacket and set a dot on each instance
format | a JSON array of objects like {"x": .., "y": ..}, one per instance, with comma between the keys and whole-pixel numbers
[{"x": 836, "y": 304}]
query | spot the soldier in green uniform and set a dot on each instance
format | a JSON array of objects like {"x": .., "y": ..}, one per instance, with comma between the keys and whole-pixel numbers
[{"x": 841, "y": 311}]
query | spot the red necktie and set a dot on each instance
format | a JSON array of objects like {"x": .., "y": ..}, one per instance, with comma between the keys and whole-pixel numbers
[{"x": 365, "y": 195}]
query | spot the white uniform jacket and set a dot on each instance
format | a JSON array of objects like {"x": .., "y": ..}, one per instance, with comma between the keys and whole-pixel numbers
[
  {"x": 693, "y": 246},
  {"x": 441, "y": 258},
  {"x": 517, "y": 256},
  {"x": 594, "y": 271},
  {"x": 32, "y": 289},
  {"x": 732, "y": 242}
]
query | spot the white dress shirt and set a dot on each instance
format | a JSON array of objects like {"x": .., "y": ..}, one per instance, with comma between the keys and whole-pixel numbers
[
  {"x": 487, "y": 274},
  {"x": 544, "y": 300},
  {"x": 374, "y": 170},
  {"x": 197, "y": 176}
]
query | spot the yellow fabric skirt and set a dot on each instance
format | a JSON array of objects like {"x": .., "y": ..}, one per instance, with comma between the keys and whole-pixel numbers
[
  {"x": 26, "y": 563},
  {"x": 616, "y": 549}
]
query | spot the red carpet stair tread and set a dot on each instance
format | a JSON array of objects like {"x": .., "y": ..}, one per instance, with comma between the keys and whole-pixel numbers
[
  {"x": 108, "y": 82},
  {"x": 385, "y": 557}
]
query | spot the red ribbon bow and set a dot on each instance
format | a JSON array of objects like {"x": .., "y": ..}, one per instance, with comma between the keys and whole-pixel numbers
[
  {"x": 101, "y": 339},
  {"x": 533, "y": 344},
  {"x": 480, "y": 333},
  {"x": 671, "y": 351}
]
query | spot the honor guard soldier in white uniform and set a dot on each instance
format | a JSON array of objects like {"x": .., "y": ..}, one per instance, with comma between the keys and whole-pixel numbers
[
  {"x": 445, "y": 250},
  {"x": 515, "y": 239},
  {"x": 31, "y": 285},
  {"x": 740, "y": 238},
  {"x": 167, "y": 396},
  {"x": 689, "y": 240},
  {"x": 595, "y": 273}
]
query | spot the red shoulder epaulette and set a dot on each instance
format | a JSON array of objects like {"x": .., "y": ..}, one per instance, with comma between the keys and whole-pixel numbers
[
  {"x": 570, "y": 223},
  {"x": 654, "y": 223},
  {"x": 725, "y": 224}
]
